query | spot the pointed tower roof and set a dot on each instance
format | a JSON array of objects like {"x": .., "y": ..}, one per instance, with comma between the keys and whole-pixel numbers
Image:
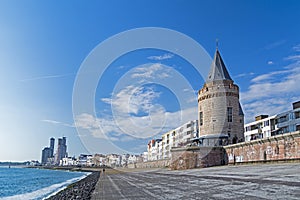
[{"x": 218, "y": 70}]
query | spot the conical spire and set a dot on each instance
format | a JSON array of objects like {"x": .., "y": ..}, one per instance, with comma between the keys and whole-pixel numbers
[{"x": 218, "y": 70}]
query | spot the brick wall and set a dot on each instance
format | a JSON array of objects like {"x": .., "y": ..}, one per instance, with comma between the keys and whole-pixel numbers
[{"x": 278, "y": 148}]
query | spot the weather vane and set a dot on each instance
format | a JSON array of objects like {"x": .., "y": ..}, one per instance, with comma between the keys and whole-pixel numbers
[{"x": 217, "y": 43}]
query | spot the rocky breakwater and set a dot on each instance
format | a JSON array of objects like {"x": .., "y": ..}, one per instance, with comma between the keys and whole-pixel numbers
[{"x": 82, "y": 189}]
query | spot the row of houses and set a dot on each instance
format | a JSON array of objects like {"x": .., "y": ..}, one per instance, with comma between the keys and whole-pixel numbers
[{"x": 100, "y": 160}]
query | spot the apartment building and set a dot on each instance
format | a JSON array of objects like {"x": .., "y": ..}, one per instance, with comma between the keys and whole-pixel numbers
[
  {"x": 260, "y": 128},
  {"x": 265, "y": 126},
  {"x": 179, "y": 137}
]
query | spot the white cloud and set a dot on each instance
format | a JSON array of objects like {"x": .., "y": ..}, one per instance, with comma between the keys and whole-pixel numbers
[
  {"x": 132, "y": 99},
  {"x": 51, "y": 121},
  {"x": 46, "y": 77},
  {"x": 270, "y": 62},
  {"x": 57, "y": 122},
  {"x": 268, "y": 76},
  {"x": 244, "y": 74},
  {"x": 272, "y": 93},
  {"x": 113, "y": 129},
  {"x": 97, "y": 127},
  {"x": 122, "y": 67},
  {"x": 153, "y": 71},
  {"x": 162, "y": 57},
  {"x": 274, "y": 44},
  {"x": 293, "y": 58},
  {"x": 296, "y": 48}
]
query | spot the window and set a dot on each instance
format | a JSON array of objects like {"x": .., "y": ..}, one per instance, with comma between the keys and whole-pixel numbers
[
  {"x": 173, "y": 133},
  {"x": 266, "y": 123},
  {"x": 297, "y": 115},
  {"x": 229, "y": 114},
  {"x": 201, "y": 118}
]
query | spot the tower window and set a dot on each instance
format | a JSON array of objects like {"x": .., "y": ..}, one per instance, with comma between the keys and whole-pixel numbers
[
  {"x": 201, "y": 118},
  {"x": 229, "y": 114}
]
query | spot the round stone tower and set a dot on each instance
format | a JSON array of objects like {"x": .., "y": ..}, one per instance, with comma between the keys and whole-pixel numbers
[{"x": 221, "y": 119}]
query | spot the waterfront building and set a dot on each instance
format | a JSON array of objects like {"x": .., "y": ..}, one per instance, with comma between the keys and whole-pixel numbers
[
  {"x": 168, "y": 139},
  {"x": 85, "y": 159},
  {"x": 260, "y": 128},
  {"x": 99, "y": 160},
  {"x": 61, "y": 149},
  {"x": 132, "y": 159},
  {"x": 154, "y": 149},
  {"x": 186, "y": 133},
  {"x": 287, "y": 122},
  {"x": 46, "y": 154},
  {"x": 220, "y": 115},
  {"x": 179, "y": 137},
  {"x": 68, "y": 161},
  {"x": 113, "y": 160},
  {"x": 52, "y": 141},
  {"x": 124, "y": 160},
  {"x": 145, "y": 156},
  {"x": 265, "y": 126}
]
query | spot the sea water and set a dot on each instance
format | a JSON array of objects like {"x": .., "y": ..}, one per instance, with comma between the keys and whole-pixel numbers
[{"x": 32, "y": 183}]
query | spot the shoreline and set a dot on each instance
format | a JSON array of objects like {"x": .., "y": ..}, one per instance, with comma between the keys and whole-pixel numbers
[{"x": 81, "y": 189}]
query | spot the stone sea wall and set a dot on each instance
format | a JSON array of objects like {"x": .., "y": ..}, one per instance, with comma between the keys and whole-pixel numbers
[
  {"x": 82, "y": 189},
  {"x": 197, "y": 157},
  {"x": 283, "y": 148},
  {"x": 151, "y": 164}
]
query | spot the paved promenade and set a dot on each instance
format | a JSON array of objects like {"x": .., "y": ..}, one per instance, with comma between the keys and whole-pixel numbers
[{"x": 274, "y": 181}]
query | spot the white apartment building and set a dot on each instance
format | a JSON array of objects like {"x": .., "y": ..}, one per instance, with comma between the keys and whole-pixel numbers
[
  {"x": 145, "y": 156},
  {"x": 168, "y": 139},
  {"x": 154, "y": 150},
  {"x": 113, "y": 160},
  {"x": 99, "y": 160},
  {"x": 185, "y": 133},
  {"x": 132, "y": 159},
  {"x": 260, "y": 128},
  {"x": 266, "y": 126},
  {"x": 84, "y": 159},
  {"x": 124, "y": 160},
  {"x": 288, "y": 121},
  {"x": 68, "y": 161},
  {"x": 178, "y": 137}
]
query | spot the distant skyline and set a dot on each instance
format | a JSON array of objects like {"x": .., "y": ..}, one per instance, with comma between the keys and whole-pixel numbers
[{"x": 43, "y": 45}]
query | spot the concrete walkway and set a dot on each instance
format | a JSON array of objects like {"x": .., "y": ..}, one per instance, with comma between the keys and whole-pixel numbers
[{"x": 274, "y": 181}]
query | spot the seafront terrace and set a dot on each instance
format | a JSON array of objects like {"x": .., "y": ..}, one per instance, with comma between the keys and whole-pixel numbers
[{"x": 262, "y": 181}]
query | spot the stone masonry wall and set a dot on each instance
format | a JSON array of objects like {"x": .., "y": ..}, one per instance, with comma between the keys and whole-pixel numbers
[
  {"x": 278, "y": 148},
  {"x": 151, "y": 164},
  {"x": 197, "y": 157}
]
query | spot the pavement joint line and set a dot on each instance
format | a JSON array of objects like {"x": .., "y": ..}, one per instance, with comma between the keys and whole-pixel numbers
[
  {"x": 116, "y": 187},
  {"x": 143, "y": 189}
]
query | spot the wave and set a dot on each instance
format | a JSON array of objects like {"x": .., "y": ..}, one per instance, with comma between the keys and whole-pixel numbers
[{"x": 45, "y": 192}]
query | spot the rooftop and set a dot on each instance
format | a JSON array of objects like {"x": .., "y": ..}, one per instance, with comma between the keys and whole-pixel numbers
[{"x": 218, "y": 69}]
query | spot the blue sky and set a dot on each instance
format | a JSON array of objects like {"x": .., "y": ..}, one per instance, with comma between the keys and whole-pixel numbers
[{"x": 44, "y": 43}]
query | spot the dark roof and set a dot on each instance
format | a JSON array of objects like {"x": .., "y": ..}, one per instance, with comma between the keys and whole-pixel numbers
[{"x": 218, "y": 69}]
